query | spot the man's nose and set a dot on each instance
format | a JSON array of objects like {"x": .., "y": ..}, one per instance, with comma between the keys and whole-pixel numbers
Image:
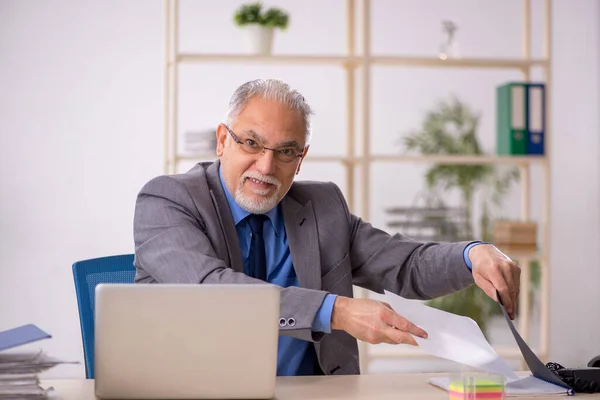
[{"x": 266, "y": 162}]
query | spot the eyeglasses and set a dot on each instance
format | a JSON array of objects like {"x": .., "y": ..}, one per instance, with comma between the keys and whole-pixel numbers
[{"x": 250, "y": 146}]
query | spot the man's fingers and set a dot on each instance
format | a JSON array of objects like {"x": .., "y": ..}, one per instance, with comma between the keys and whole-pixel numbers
[
  {"x": 499, "y": 282},
  {"x": 486, "y": 286},
  {"x": 395, "y": 336},
  {"x": 511, "y": 273},
  {"x": 404, "y": 325},
  {"x": 515, "y": 271},
  {"x": 374, "y": 322}
]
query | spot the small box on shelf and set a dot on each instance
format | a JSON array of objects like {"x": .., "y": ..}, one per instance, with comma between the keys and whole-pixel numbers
[{"x": 516, "y": 238}]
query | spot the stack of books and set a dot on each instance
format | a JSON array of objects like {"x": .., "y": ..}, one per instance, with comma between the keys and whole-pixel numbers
[
  {"x": 19, "y": 370},
  {"x": 520, "y": 118}
]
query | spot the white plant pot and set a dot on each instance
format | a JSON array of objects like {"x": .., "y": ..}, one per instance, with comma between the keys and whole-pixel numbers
[{"x": 259, "y": 39}]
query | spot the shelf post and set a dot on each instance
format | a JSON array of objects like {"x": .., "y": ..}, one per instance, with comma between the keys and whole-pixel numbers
[
  {"x": 171, "y": 9},
  {"x": 544, "y": 265},
  {"x": 350, "y": 103},
  {"x": 365, "y": 159},
  {"x": 524, "y": 172},
  {"x": 166, "y": 82}
]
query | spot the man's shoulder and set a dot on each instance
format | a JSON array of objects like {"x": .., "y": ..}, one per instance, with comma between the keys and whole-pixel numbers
[
  {"x": 193, "y": 180},
  {"x": 197, "y": 173},
  {"x": 315, "y": 191}
]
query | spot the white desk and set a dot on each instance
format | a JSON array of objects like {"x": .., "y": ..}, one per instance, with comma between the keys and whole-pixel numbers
[{"x": 350, "y": 387}]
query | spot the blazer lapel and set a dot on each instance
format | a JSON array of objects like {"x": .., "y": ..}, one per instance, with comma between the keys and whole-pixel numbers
[
  {"x": 301, "y": 230},
  {"x": 225, "y": 218}
]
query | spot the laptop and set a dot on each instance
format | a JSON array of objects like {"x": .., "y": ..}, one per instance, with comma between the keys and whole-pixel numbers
[{"x": 182, "y": 341}]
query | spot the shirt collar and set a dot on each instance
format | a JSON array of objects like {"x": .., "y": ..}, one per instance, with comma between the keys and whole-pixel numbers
[{"x": 239, "y": 213}]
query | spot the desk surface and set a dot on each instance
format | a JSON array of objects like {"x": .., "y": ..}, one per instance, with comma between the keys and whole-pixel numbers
[{"x": 349, "y": 387}]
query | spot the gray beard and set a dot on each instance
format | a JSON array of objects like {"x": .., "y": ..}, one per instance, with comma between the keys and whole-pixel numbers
[{"x": 255, "y": 205}]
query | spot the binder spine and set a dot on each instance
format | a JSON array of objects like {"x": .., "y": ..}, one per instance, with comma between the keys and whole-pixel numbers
[
  {"x": 511, "y": 114},
  {"x": 536, "y": 118}
]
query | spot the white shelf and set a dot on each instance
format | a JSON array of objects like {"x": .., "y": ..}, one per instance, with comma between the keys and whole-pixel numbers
[
  {"x": 460, "y": 159},
  {"x": 258, "y": 59},
  {"x": 308, "y": 158},
  {"x": 432, "y": 62},
  {"x": 437, "y": 159}
]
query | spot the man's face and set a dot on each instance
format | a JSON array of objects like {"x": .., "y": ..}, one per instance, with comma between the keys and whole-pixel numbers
[{"x": 259, "y": 181}]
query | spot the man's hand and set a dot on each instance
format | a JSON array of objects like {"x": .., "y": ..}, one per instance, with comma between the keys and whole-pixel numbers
[
  {"x": 373, "y": 322},
  {"x": 494, "y": 271}
]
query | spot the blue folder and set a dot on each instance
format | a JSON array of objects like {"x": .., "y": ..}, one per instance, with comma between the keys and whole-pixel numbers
[
  {"x": 536, "y": 118},
  {"x": 21, "y": 335}
]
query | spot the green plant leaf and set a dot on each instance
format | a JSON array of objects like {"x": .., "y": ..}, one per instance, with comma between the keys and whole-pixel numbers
[
  {"x": 248, "y": 13},
  {"x": 251, "y": 13}
]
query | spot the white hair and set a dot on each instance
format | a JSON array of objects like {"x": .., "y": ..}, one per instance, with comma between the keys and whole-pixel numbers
[{"x": 269, "y": 89}]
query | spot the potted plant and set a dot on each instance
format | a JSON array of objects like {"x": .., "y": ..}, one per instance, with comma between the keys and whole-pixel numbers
[
  {"x": 451, "y": 129},
  {"x": 259, "y": 26}
]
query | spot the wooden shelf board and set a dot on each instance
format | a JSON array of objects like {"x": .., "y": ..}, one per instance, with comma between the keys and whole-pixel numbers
[
  {"x": 316, "y": 158},
  {"x": 324, "y": 158},
  {"x": 461, "y": 159},
  {"x": 459, "y": 62},
  {"x": 432, "y": 62},
  {"x": 272, "y": 59},
  {"x": 197, "y": 157},
  {"x": 445, "y": 159}
]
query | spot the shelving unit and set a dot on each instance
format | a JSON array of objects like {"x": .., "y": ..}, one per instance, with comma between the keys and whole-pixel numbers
[{"x": 353, "y": 61}]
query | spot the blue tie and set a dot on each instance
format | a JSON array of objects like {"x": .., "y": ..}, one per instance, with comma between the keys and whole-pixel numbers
[{"x": 257, "y": 258}]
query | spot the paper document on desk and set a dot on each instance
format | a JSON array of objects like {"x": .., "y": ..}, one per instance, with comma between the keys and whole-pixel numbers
[
  {"x": 450, "y": 336},
  {"x": 20, "y": 368},
  {"x": 458, "y": 338}
]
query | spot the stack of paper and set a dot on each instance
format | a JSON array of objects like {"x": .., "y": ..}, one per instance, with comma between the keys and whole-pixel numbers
[
  {"x": 458, "y": 338},
  {"x": 19, "y": 370}
]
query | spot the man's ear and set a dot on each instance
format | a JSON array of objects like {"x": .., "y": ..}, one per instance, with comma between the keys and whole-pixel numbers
[
  {"x": 302, "y": 159},
  {"x": 221, "y": 137}
]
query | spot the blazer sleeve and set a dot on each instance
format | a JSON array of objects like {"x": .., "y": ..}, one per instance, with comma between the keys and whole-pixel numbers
[
  {"x": 172, "y": 246},
  {"x": 401, "y": 265}
]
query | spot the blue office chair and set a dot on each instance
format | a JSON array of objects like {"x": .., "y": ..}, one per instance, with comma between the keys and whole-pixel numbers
[{"x": 87, "y": 274}]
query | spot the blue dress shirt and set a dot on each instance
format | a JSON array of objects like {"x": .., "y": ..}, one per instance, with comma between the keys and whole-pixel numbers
[
  {"x": 294, "y": 356},
  {"x": 466, "y": 253}
]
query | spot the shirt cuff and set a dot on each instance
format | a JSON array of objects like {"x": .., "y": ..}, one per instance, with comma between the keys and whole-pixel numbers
[
  {"x": 466, "y": 253},
  {"x": 322, "y": 322}
]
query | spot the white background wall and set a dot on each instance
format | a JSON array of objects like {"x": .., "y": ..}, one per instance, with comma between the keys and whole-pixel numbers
[{"x": 81, "y": 131}]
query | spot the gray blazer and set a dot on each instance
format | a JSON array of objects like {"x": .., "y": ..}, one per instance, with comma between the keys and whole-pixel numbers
[{"x": 184, "y": 233}]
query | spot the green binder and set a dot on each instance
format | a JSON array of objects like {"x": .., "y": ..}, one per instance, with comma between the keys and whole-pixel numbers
[{"x": 511, "y": 114}]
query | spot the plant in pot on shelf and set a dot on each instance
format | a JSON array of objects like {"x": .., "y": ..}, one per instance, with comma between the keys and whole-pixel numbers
[
  {"x": 450, "y": 128},
  {"x": 259, "y": 26}
]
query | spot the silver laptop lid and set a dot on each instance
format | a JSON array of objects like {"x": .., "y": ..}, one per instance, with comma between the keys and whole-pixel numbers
[{"x": 186, "y": 341}]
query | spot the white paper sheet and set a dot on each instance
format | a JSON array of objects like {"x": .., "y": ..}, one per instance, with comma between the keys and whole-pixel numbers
[
  {"x": 450, "y": 336},
  {"x": 458, "y": 338}
]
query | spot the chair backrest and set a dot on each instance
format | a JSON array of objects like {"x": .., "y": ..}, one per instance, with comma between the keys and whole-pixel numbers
[{"x": 87, "y": 274}]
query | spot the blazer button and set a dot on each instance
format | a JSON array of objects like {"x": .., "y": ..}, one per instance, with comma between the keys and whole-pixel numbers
[
  {"x": 282, "y": 322},
  {"x": 291, "y": 322}
]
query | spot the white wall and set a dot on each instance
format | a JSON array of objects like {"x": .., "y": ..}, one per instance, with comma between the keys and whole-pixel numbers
[
  {"x": 575, "y": 250},
  {"x": 81, "y": 131}
]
